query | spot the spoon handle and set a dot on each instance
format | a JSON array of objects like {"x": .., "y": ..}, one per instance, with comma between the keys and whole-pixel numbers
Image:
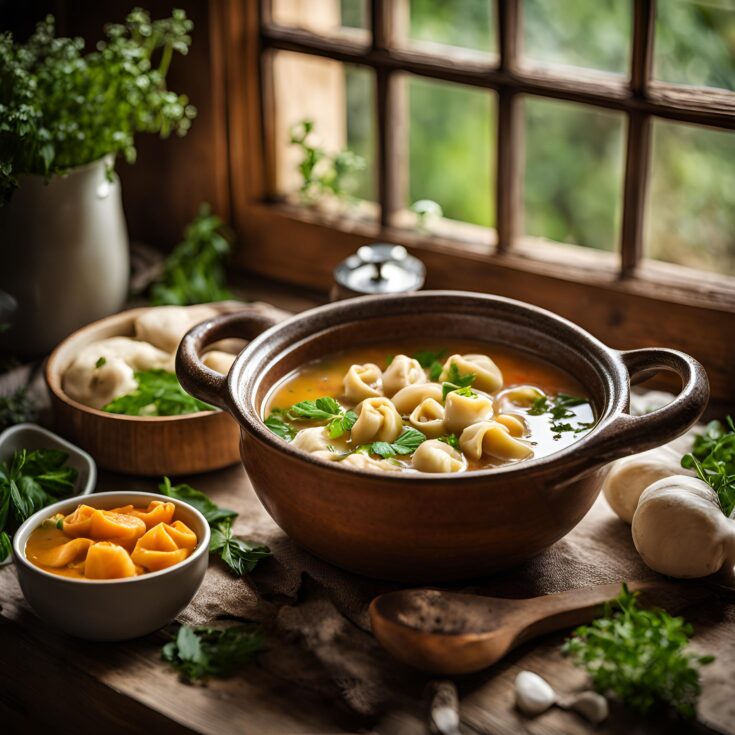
[{"x": 554, "y": 612}]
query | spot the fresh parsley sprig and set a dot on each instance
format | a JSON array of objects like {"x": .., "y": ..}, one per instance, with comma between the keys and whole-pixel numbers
[
  {"x": 431, "y": 361},
  {"x": 450, "y": 439},
  {"x": 638, "y": 656},
  {"x": 325, "y": 409},
  {"x": 559, "y": 408},
  {"x": 202, "y": 651},
  {"x": 159, "y": 393},
  {"x": 713, "y": 458},
  {"x": 31, "y": 480},
  {"x": 456, "y": 382},
  {"x": 407, "y": 443},
  {"x": 240, "y": 555}
]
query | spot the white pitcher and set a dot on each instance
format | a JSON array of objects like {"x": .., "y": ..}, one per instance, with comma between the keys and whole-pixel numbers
[{"x": 64, "y": 257}]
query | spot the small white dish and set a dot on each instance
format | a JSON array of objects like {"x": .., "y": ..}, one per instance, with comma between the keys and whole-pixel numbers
[
  {"x": 112, "y": 609},
  {"x": 32, "y": 436}
]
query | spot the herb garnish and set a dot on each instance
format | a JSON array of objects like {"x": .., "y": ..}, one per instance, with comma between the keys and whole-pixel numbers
[
  {"x": 713, "y": 458},
  {"x": 198, "y": 652},
  {"x": 29, "y": 482},
  {"x": 431, "y": 361},
  {"x": 559, "y": 408},
  {"x": 100, "y": 362},
  {"x": 240, "y": 555},
  {"x": 450, "y": 439},
  {"x": 407, "y": 443},
  {"x": 638, "y": 656},
  {"x": 456, "y": 382},
  {"x": 159, "y": 393},
  {"x": 325, "y": 409}
]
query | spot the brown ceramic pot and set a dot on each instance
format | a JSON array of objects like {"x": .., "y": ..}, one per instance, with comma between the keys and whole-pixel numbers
[{"x": 421, "y": 528}]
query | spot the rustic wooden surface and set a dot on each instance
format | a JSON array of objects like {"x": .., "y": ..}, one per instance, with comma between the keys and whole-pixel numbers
[{"x": 127, "y": 688}]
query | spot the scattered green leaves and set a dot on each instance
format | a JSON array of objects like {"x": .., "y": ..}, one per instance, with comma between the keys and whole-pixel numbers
[
  {"x": 326, "y": 410},
  {"x": 62, "y": 108},
  {"x": 431, "y": 361},
  {"x": 198, "y": 652},
  {"x": 31, "y": 480},
  {"x": 159, "y": 393},
  {"x": 638, "y": 656},
  {"x": 241, "y": 556},
  {"x": 280, "y": 427},
  {"x": 210, "y": 510},
  {"x": 559, "y": 408},
  {"x": 407, "y": 443},
  {"x": 194, "y": 272},
  {"x": 17, "y": 408},
  {"x": 456, "y": 381},
  {"x": 713, "y": 458},
  {"x": 452, "y": 440}
]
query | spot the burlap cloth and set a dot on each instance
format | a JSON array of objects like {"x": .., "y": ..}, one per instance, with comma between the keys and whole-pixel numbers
[{"x": 315, "y": 615}]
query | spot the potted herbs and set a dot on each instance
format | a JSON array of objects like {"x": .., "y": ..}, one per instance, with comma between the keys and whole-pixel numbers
[{"x": 65, "y": 115}]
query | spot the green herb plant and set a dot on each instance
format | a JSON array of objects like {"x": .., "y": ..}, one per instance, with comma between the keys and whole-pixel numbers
[
  {"x": 325, "y": 410},
  {"x": 639, "y": 657},
  {"x": 202, "y": 651},
  {"x": 713, "y": 458},
  {"x": 159, "y": 393},
  {"x": 240, "y": 556},
  {"x": 31, "y": 480},
  {"x": 323, "y": 173},
  {"x": 559, "y": 408},
  {"x": 61, "y": 108},
  {"x": 194, "y": 272}
]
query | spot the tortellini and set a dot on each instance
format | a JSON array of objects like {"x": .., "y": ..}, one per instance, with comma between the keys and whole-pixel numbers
[
  {"x": 409, "y": 397},
  {"x": 377, "y": 421},
  {"x": 487, "y": 374},
  {"x": 402, "y": 371},
  {"x": 313, "y": 439},
  {"x": 163, "y": 546},
  {"x": 165, "y": 326},
  {"x": 107, "y": 560},
  {"x": 493, "y": 439},
  {"x": 428, "y": 417},
  {"x": 462, "y": 410},
  {"x": 158, "y": 511},
  {"x": 515, "y": 425},
  {"x": 363, "y": 381},
  {"x": 520, "y": 395},
  {"x": 68, "y": 553},
  {"x": 435, "y": 456},
  {"x": 363, "y": 462}
]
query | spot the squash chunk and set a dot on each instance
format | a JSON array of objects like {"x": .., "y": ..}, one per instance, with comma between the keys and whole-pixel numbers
[
  {"x": 60, "y": 556},
  {"x": 106, "y": 525},
  {"x": 106, "y": 560},
  {"x": 77, "y": 524}
]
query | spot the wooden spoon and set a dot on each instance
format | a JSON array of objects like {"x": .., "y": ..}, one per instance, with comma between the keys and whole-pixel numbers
[{"x": 451, "y": 633}]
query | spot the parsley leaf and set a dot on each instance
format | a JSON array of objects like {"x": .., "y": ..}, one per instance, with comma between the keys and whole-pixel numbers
[
  {"x": 100, "y": 362},
  {"x": 326, "y": 409},
  {"x": 450, "y": 439},
  {"x": 713, "y": 458},
  {"x": 29, "y": 482},
  {"x": 210, "y": 510},
  {"x": 159, "y": 393},
  {"x": 240, "y": 556},
  {"x": 321, "y": 409},
  {"x": 198, "y": 652},
  {"x": 638, "y": 656},
  {"x": 431, "y": 361},
  {"x": 280, "y": 427},
  {"x": 456, "y": 381},
  {"x": 407, "y": 443},
  {"x": 559, "y": 408},
  {"x": 341, "y": 424}
]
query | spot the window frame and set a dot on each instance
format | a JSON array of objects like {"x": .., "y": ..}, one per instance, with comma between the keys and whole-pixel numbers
[{"x": 632, "y": 301}]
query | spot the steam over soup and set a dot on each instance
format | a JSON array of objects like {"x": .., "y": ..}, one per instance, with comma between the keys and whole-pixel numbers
[
  {"x": 92, "y": 543},
  {"x": 419, "y": 406}
]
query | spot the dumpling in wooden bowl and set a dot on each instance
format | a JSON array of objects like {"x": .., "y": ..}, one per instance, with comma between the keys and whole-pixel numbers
[{"x": 165, "y": 326}]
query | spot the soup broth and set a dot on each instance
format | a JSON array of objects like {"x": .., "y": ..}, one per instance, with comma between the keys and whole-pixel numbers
[{"x": 476, "y": 405}]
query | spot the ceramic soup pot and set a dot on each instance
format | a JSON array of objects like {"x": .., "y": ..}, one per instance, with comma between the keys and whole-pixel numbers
[{"x": 417, "y": 527}]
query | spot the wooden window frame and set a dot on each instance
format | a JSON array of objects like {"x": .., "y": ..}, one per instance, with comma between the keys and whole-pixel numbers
[{"x": 624, "y": 299}]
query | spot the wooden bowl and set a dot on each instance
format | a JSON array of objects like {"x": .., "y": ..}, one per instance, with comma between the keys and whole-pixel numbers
[
  {"x": 139, "y": 445},
  {"x": 417, "y": 527}
]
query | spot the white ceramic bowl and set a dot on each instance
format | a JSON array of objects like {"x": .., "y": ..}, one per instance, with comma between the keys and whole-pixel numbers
[{"x": 112, "y": 609}]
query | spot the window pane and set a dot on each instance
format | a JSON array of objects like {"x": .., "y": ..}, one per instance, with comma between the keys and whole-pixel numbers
[
  {"x": 337, "y": 100},
  {"x": 695, "y": 42},
  {"x": 326, "y": 17},
  {"x": 587, "y": 33},
  {"x": 574, "y": 173},
  {"x": 451, "y": 154},
  {"x": 691, "y": 205},
  {"x": 434, "y": 25}
]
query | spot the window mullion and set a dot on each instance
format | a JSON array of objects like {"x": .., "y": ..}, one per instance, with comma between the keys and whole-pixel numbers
[{"x": 638, "y": 139}]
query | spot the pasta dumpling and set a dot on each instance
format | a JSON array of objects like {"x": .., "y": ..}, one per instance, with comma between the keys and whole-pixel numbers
[
  {"x": 362, "y": 381},
  {"x": 515, "y": 425},
  {"x": 377, "y": 421},
  {"x": 428, "y": 417},
  {"x": 493, "y": 439},
  {"x": 121, "y": 528},
  {"x": 487, "y": 374},
  {"x": 409, "y": 397},
  {"x": 107, "y": 560},
  {"x": 521, "y": 395},
  {"x": 157, "y": 511},
  {"x": 68, "y": 553},
  {"x": 165, "y": 326},
  {"x": 313, "y": 439},
  {"x": 363, "y": 462},
  {"x": 402, "y": 371},
  {"x": 436, "y": 456},
  {"x": 163, "y": 546},
  {"x": 462, "y": 410},
  {"x": 77, "y": 524}
]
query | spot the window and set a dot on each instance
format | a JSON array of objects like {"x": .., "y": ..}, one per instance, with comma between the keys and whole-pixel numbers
[{"x": 515, "y": 79}]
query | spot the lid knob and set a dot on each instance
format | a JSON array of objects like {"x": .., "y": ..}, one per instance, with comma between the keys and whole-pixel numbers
[{"x": 379, "y": 254}]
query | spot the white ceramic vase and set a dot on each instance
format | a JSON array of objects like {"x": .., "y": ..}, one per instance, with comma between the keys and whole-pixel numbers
[{"x": 64, "y": 257}]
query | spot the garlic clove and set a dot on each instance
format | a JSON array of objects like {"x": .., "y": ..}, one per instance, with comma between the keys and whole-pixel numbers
[
  {"x": 534, "y": 695},
  {"x": 591, "y": 705}
]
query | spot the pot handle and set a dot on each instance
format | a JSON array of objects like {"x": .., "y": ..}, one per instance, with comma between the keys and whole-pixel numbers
[
  {"x": 632, "y": 434},
  {"x": 195, "y": 377}
]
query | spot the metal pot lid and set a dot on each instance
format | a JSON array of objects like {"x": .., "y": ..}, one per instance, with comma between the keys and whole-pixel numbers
[{"x": 380, "y": 268}]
